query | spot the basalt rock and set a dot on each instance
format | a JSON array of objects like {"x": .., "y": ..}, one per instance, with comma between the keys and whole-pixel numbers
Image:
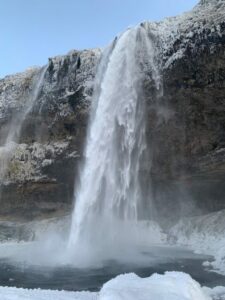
[
  {"x": 189, "y": 144},
  {"x": 185, "y": 121},
  {"x": 40, "y": 174}
]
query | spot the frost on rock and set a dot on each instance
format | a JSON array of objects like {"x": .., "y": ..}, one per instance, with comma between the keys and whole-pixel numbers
[
  {"x": 203, "y": 234},
  {"x": 61, "y": 111},
  {"x": 28, "y": 160},
  {"x": 184, "y": 33},
  {"x": 74, "y": 72},
  {"x": 46, "y": 143},
  {"x": 13, "y": 89}
]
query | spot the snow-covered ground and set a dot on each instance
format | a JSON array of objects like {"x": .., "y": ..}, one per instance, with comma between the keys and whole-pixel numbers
[
  {"x": 170, "y": 286},
  {"x": 205, "y": 235},
  {"x": 23, "y": 294}
]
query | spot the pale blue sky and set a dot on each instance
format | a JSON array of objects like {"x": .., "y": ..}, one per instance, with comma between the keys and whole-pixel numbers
[{"x": 33, "y": 30}]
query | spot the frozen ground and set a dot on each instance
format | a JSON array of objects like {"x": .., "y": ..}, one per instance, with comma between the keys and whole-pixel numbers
[
  {"x": 205, "y": 235},
  {"x": 170, "y": 286}
]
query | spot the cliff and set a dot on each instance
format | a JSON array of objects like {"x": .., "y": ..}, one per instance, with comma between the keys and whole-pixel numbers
[
  {"x": 40, "y": 174},
  {"x": 185, "y": 121}
]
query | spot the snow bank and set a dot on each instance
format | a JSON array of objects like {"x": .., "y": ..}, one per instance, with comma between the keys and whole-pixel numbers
[
  {"x": 7, "y": 293},
  {"x": 170, "y": 286},
  {"x": 203, "y": 234},
  {"x": 217, "y": 293}
]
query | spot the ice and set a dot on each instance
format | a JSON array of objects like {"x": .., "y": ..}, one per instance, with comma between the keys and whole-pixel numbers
[
  {"x": 170, "y": 286},
  {"x": 217, "y": 293},
  {"x": 203, "y": 234},
  {"x": 11, "y": 293}
]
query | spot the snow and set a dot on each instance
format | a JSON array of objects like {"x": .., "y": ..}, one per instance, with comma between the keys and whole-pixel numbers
[
  {"x": 27, "y": 160},
  {"x": 182, "y": 29},
  {"x": 170, "y": 286},
  {"x": 217, "y": 293},
  {"x": 205, "y": 235},
  {"x": 13, "y": 88},
  {"x": 11, "y": 293}
]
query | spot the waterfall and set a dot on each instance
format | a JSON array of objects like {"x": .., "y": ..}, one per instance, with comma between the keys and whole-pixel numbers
[
  {"x": 12, "y": 138},
  {"x": 110, "y": 200}
]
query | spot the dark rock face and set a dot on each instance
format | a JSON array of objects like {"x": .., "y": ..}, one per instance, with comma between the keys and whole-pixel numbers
[
  {"x": 40, "y": 176},
  {"x": 189, "y": 147},
  {"x": 185, "y": 122}
]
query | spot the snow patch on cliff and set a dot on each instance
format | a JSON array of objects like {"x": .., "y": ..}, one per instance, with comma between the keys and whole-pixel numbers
[
  {"x": 28, "y": 160},
  {"x": 13, "y": 90},
  {"x": 176, "y": 34}
]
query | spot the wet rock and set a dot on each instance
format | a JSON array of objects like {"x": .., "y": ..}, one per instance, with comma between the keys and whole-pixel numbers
[{"x": 185, "y": 121}]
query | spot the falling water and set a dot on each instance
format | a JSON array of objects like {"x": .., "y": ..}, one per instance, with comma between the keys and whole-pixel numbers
[
  {"x": 7, "y": 150},
  {"x": 109, "y": 201}
]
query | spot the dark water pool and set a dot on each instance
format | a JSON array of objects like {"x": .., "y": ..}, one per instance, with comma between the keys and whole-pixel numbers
[{"x": 72, "y": 279}]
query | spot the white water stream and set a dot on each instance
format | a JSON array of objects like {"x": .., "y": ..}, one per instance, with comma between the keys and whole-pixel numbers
[{"x": 109, "y": 200}]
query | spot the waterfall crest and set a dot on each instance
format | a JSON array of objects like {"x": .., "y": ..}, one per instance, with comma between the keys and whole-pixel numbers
[{"x": 109, "y": 200}]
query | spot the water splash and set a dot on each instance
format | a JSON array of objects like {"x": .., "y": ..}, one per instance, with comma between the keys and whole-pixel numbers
[
  {"x": 110, "y": 200},
  {"x": 14, "y": 133}
]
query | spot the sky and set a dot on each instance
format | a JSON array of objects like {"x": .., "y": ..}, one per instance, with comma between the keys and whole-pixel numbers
[{"x": 31, "y": 31}]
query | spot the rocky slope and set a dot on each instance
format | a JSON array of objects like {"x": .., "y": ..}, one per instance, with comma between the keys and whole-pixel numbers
[{"x": 186, "y": 121}]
